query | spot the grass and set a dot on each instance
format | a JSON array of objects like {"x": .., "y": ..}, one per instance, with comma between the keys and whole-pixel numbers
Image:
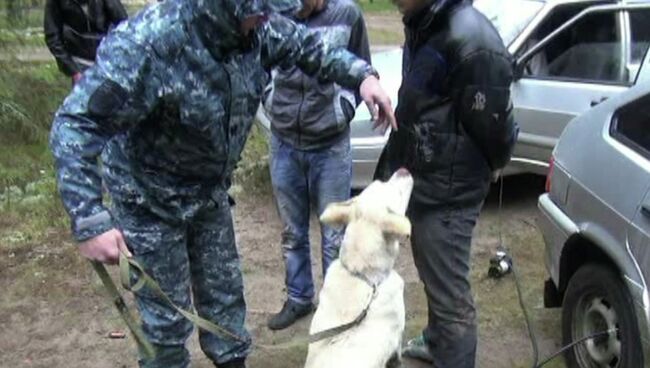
[
  {"x": 27, "y": 31},
  {"x": 376, "y": 6},
  {"x": 29, "y": 18},
  {"x": 384, "y": 36},
  {"x": 29, "y": 205}
]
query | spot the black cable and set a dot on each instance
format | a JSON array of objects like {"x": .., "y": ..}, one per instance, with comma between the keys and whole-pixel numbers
[
  {"x": 567, "y": 347},
  {"x": 529, "y": 324}
]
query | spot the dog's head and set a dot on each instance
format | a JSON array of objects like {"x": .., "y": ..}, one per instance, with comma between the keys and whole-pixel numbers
[{"x": 375, "y": 221}]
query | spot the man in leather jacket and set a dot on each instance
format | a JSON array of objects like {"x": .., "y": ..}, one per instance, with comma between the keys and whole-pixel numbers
[
  {"x": 167, "y": 109},
  {"x": 456, "y": 131},
  {"x": 74, "y": 29}
]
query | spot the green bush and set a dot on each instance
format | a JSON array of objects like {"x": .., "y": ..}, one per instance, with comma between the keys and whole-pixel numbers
[
  {"x": 252, "y": 174},
  {"x": 29, "y": 96}
]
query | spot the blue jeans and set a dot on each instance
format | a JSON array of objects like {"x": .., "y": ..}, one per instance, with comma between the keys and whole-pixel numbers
[{"x": 303, "y": 180}]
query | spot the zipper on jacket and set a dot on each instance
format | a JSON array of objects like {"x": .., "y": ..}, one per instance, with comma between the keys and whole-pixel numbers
[
  {"x": 227, "y": 125},
  {"x": 302, "y": 100}
]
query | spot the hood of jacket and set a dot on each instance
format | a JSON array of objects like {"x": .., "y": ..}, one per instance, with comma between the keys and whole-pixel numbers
[
  {"x": 424, "y": 18},
  {"x": 218, "y": 21}
]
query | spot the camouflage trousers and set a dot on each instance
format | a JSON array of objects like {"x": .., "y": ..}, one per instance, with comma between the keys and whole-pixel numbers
[{"x": 193, "y": 260}]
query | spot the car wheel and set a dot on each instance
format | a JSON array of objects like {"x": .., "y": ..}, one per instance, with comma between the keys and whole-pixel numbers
[{"x": 596, "y": 299}]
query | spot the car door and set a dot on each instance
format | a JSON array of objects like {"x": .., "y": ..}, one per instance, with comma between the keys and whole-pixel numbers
[
  {"x": 630, "y": 129},
  {"x": 567, "y": 72},
  {"x": 639, "y": 236},
  {"x": 638, "y": 33}
]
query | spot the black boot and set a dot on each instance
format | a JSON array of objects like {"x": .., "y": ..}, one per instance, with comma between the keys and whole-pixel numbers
[
  {"x": 290, "y": 313},
  {"x": 235, "y": 363}
]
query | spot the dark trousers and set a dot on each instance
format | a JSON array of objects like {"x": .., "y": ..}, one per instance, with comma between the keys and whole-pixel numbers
[
  {"x": 441, "y": 242},
  {"x": 196, "y": 264}
]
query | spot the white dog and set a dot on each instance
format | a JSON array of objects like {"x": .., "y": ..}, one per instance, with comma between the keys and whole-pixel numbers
[{"x": 363, "y": 279}]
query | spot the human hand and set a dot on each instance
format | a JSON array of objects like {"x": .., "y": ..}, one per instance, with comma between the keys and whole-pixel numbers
[
  {"x": 76, "y": 77},
  {"x": 378, "y": 103},
  {"x": 105, "y": 248}
]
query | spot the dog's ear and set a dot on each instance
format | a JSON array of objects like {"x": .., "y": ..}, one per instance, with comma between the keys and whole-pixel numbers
[
  {"x": 396, "y": 225},
  {"x": 338, "y": 214}
]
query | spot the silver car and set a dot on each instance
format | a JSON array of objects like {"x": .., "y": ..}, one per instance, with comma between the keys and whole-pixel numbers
[
  {"x": 596, "y": 226},
  {"x": 571, "y": 56}
]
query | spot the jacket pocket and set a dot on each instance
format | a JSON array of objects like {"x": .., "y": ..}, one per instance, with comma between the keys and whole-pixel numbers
[
  {"x": 430, "y": 149},
  {"x": 268, "y": 97},
  {"x": 83, "y": 45},
  {"x": 348, "y": 109},
  {"x": 343, "y": 107}
]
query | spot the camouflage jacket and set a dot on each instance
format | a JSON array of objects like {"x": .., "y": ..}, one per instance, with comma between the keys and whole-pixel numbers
[{"x": 169, "y": 104}]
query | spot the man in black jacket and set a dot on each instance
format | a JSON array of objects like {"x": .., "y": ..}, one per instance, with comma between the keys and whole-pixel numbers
[
  {"x": 74, "y": 29},
  {"x": 456, "y": 131}
]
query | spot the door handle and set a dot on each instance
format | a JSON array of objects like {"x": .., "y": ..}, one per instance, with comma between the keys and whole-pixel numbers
[
  {"x": 596, "y": 102},
  {"x": 645, "y": 210}
]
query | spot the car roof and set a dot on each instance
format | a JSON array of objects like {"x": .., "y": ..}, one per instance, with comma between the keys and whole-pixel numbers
[{"x": 556, "y": 2}]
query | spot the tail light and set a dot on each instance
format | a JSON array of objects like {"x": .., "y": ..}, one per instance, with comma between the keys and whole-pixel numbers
[{"x": 549, "y": 176}]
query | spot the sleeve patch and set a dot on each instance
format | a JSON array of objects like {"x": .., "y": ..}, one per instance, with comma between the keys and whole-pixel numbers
[{"x": 107, "y": 99}]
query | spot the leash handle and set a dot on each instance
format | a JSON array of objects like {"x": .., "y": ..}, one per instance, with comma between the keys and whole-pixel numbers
[
  {"x": 138, "y": 335},
  {"x": 128, "y": 265}
]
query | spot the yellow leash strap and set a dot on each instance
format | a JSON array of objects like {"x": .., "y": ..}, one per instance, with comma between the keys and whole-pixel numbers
[
  {"x": 127, "y": 265},
  {"x": 115, "y": 296}
]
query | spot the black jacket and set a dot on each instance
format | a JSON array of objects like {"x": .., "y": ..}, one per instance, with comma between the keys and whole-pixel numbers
[
  {"x": 75, "y": 28},
  {"x": 454, "y": 110}
]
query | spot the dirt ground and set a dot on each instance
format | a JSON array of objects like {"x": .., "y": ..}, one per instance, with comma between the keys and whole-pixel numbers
[{"x": 54, "y": 313}]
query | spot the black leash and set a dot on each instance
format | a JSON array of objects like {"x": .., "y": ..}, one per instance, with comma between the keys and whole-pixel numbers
[{"x": 331, "y": 332}]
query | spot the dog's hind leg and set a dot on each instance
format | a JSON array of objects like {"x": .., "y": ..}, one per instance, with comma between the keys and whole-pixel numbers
[{"x": 395, "y": 361}]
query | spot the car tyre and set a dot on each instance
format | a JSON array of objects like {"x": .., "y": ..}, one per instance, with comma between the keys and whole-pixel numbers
[{"x": 596, "y": 299}]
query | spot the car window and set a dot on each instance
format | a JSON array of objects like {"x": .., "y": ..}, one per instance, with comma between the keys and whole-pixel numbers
[
  {"x": 640, "y": 38},
  {"x": 588, "y": 51},
  {"x": 632, "y": 125},
  {"x": 557, "y": 17},
  {"x": 509, "y": 17}
]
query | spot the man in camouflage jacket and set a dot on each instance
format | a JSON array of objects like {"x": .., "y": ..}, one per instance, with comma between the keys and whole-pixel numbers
[{"x": 167, "y": 108}]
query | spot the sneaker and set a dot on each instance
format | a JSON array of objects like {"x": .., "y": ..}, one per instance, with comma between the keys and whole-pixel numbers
[
  {"x": 235, "y": 363},
  {"x": 418, "y": 349},
  {"x": 290, "y": 313}
]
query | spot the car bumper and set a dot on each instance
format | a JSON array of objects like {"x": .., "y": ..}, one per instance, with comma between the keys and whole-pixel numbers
[
  {"x": 365, "y": 156},
  {"x": 556, "y": 228}
]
